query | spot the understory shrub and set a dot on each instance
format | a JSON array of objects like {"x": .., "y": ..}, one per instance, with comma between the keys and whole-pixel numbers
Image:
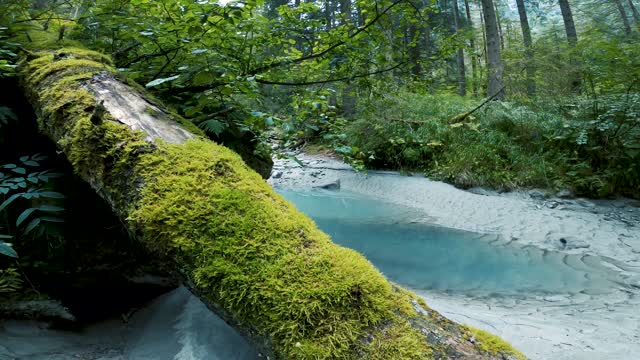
[{"x": 590, "y": 146}]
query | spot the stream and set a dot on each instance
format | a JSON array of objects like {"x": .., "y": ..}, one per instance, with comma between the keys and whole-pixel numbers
[{"x": 421, "y": 256}]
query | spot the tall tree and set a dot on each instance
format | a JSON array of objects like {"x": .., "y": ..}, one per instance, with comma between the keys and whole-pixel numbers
[
  {"x": 528, "y": 45},
  {"x": 472, "y": 45},
  {"x": 414, "y": 50},
  {"x": 634, "y": 11},
  {"x": 569, "y": 24},
  {"x": 623, "y": 16},
  {"x": 499, "y": 21},
  {"x": 495, "y": 68},
  {"x": 572, "y": 38},
  {"x": 462, "y": 78},
  {"x": 348, "y": 97}
]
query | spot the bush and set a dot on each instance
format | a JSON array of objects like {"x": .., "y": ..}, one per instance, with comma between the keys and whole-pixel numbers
[{"x": 587, "y": 145}]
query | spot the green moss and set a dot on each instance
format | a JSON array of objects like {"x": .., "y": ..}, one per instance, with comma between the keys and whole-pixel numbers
[
  {"x": 43, "y": 72},
  {"x": 255, "y": 253},
  {"x": 34, "y": 36},
  {"x": 492, "y": 344}
]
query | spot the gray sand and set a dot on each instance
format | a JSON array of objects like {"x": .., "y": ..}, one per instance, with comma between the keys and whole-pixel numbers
[{"x": 557, "y": 327}]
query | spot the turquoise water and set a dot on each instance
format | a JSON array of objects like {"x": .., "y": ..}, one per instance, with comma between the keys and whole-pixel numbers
[{"x": 426, "y": 257}]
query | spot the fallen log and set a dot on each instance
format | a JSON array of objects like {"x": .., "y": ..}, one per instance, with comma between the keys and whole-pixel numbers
[{"x": 247, "y": 253}]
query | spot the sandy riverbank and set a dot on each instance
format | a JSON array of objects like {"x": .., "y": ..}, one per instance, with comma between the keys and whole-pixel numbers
[{"x": 558, "y": 327}]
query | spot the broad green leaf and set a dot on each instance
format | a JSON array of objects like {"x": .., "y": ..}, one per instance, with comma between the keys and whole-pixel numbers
[
  {"x": 157, "y": 82},
  {"x": 51, "y": 194},
  {"x": 32, "y": 225},
  {"x": 25, "y": 214},
  {"x": 6, "y": 249},
  {"x": 49, "y": 208},
  {"x": 52, "y": 219},
  {"x": 11, "y": 199}
]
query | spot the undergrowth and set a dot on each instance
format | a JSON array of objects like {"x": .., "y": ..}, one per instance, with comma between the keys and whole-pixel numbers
[{"x": 589, "y": 146}]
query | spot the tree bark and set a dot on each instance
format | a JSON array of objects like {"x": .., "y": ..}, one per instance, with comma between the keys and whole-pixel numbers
[
  {"x": 572, "y": 37},
  {"x": 495, "y": 67},
  {"x": 472, "y": 44},
  {"x": 635, "y": 13},
  {"x": 623, "y": 16},
  {"x": 569, "y": 25},
  {"x": 349, "y": 100},
  {"x": 528, "y": 45},
  {"x": 242, "y": 249},
  {"x": 462, "y": 78},
  {"x": 415, "y": 51},
  {"x": 498, "y": 20}
]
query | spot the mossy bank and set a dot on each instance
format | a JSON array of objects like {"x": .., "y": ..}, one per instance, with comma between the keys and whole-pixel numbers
[{"x": 246, "y": 252}]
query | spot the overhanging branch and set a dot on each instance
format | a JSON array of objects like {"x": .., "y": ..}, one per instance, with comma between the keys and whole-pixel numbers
[{"x": 330, "y": 48}]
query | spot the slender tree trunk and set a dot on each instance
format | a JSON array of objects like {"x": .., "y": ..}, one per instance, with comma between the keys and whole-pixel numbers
[
  {"x": 428, "y": 52},
  {"x": 462, "y": 78},
  {"x": 635, "y": 13},
  {"x": 623, "y": 16},
  {"x": 497, "y": 12},
  {"x": 572, "y": 38},
  {"x": 472, "y": 44},
  {"x": 495, "y": 67},
  {"x": 484, "y": 36},
  {"x": 415, "y": 51},
  {"x": 528, "y": 43},
  {"x": 328, "y": 14},
  {"x": 569, "y": 25},
  {"x": 348, "y": 91}
]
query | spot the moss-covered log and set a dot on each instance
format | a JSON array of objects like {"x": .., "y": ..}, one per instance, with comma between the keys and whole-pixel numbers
[{"x": 247, "y": 253}]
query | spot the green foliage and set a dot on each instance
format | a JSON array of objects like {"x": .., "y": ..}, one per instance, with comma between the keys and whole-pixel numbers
[
  {"x": 10, "y": 280},
  {"x": 24, "y": 181},
  {"x": 8, "y": 58},
  {"x": 589, "y": 145}
]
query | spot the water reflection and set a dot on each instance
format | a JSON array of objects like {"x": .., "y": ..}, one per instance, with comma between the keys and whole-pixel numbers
[{"x": 426, "y": 257}]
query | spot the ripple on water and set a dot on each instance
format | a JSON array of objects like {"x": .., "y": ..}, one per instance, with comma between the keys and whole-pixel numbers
[{"x": 428, "y": 257}]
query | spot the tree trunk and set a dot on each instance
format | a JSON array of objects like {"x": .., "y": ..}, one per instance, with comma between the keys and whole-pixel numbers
[
  {"x": 569, "y": 25},
  {"x": 472, "y": 44},
  {"x": 495, "y": 8},
  {"x": 415, "y": 50},
  {"x": 623, "y": 16},
  {"x": 462, "y": 78},
  {"x": 528, "y": 45},
  {"x": 494, "y": 57},
  {"x": 349, "y": 100},
  {"x": 242, "y": 249},
  {"x": 572, "y": 37},
  {"x": 328, "y": 14},
  {"x": 635, "y": 13},
  {"x": 484, "y": 37}
]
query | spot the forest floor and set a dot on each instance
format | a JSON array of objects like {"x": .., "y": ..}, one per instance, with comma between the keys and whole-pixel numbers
[{"x": 603, "y": 234}]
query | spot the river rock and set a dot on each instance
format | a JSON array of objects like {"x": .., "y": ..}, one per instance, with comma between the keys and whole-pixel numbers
[
  {"x": 331, "y": 185},
  {"x": 568, "y": 242},
  {"x": 50, "y": 310},
  {"x": 537, "y": 194},
  {"x": 565, "y": 194}
]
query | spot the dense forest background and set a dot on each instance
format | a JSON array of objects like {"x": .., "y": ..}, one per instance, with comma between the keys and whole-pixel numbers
[{"x": 497, "y": 93}]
